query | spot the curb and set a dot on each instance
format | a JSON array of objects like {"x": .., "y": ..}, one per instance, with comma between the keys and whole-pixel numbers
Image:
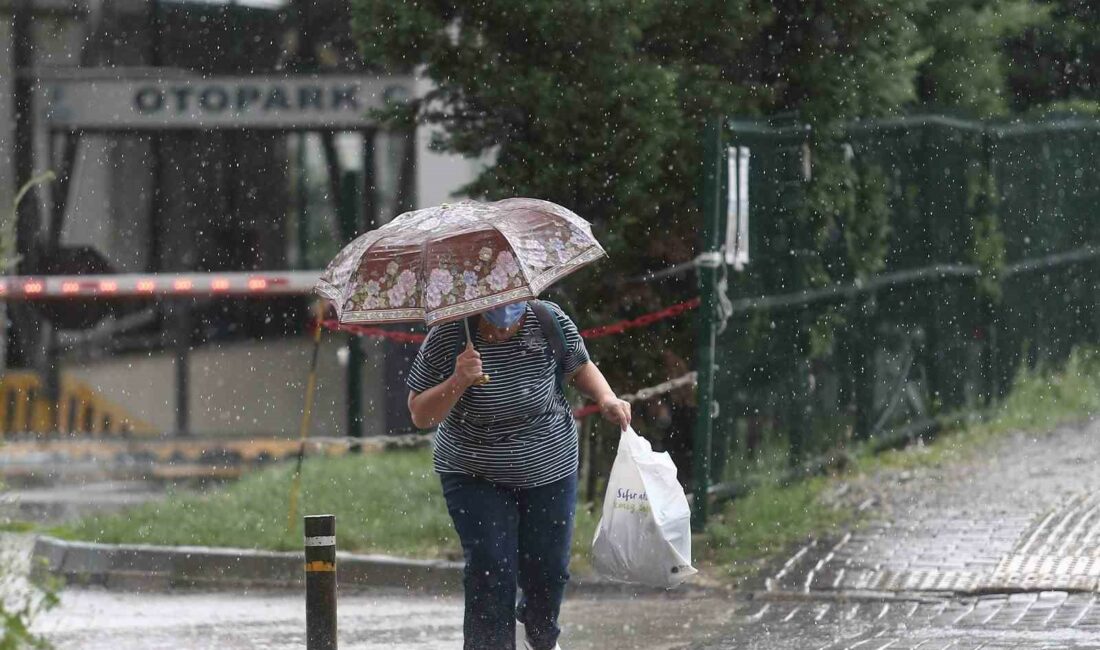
[
  {"x": 852, "y": 596},
  {"x": 139, "y": 567}
]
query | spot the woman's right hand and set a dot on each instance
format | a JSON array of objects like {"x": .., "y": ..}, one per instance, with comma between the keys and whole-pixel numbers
[{"x": 468, "y": 367}]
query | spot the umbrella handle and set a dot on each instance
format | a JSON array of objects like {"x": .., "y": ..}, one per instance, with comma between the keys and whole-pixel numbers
[{"x": 484, "y": 379}]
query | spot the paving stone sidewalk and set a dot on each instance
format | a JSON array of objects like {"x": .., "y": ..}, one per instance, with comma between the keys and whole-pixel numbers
[
  {"x": 1055, "y": 620},
  {"x": 999, "y": 552}
]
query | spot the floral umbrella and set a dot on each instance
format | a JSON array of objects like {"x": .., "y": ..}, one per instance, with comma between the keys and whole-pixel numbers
[{"x": 443, "y": 263}]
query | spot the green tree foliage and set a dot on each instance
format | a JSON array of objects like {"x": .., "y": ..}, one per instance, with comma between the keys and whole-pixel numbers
[
  {"x": 554, "y": 91},
  {"x": 1056, "y": 62},
  {"x": 582, "y": 103},
  {"x": 987, "y": 240},
  {"x": 833, "y": 60},
  {"x": 557, "y": 94},
  {"x": 598, "y": 106},
  {"x": 18, "y": 610},
  {"x": 965, "y": 62},
  {"x": 8, "y": 257}
]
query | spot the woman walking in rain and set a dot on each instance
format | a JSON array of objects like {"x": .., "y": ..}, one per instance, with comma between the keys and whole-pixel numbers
[
  {"x": 490, "y": 375},
  {"x": 506, "y": 453}
]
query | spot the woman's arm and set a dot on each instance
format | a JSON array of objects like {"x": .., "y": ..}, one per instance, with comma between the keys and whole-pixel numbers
[
  {"x": 589, "y": 380},
  {"x": 431, "y": 407}
]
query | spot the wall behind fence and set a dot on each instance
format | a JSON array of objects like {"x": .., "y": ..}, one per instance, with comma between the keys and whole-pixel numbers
[
  {"x": 900, "y": 270},
  {"x": 239, "y": 388}
]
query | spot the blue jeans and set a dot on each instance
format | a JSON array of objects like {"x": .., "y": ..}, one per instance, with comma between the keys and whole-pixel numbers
[{"x": 512, "y": 536}]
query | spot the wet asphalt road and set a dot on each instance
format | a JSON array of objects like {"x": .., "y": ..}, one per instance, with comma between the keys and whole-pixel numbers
[
  {"x": 96, "y": 619},
  {"x": 99, "y": 620}
]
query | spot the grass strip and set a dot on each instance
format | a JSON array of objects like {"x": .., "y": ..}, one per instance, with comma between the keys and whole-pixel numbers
[{"x": 384, "y": 503}]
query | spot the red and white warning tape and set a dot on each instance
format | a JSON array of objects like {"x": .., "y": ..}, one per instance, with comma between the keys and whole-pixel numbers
[
  {"x": 645, "y": 393},
  {"x": 641, "y": 321},
  {"x": 373, "y": 332},
  {"x": 591, "y": 333}
]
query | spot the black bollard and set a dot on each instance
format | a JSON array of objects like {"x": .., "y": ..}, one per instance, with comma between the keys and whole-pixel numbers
[{"x": 320, "y": 582}]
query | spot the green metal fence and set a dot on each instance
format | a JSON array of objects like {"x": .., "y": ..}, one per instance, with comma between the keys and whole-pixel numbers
[{"x": 899, "y": 270}]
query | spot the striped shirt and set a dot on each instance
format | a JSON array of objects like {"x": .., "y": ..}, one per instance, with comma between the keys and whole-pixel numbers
[{"x": 518, "y": 429}]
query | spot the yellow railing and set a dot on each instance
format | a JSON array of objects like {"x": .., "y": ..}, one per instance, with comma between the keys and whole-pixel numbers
[{"x": 80, "y": 409}]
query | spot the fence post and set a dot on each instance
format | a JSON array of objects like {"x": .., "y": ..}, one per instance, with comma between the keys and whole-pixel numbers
[
  {"x": 320, "y": 534},
  {"x": 709, "y": 259},
  {"x": 350, "y": 209}
]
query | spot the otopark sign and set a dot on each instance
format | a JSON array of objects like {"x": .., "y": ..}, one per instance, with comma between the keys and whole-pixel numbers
[{"x": 190, "y": 102}]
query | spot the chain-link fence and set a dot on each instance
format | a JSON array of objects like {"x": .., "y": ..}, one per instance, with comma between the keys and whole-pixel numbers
[{"x": 900, "y": 270}]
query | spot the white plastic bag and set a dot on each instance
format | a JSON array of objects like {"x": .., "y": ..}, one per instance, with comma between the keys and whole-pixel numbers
[{"x": 644, "y": 535}]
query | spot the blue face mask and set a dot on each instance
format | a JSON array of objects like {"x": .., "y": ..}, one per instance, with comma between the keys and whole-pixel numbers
[{"x": 505, "y": 316}]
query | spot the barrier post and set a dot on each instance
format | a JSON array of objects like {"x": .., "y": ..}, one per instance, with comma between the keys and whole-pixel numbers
[
  {"x": 320, "y": 542},
  {"x": 708, "y": 271}
]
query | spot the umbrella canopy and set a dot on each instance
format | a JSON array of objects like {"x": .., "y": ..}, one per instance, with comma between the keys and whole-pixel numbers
[{"x": 446, "y": 262}]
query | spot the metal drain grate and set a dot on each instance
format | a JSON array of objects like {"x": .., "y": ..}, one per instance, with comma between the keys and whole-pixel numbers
[{"x": 1061, "y": 551}]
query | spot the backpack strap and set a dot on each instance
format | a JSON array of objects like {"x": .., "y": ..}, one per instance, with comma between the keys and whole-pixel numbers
[
  {"x": 554, "y": 335},
  {"x": 551, "y": 331}
]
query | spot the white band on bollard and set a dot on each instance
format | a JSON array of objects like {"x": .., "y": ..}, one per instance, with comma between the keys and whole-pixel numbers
[{"x": 328, "y": 540}]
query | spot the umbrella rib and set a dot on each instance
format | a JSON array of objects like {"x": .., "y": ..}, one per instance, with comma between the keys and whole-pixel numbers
[
  {"x": 344, "y": 293},
  {"x": 379, "y": 238},
  {"x": 519, "y": 264},
  {"x": 551, "y": 275}
]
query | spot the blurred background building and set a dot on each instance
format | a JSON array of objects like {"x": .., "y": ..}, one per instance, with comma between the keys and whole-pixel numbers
[{"x": 201, "y": 136}]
